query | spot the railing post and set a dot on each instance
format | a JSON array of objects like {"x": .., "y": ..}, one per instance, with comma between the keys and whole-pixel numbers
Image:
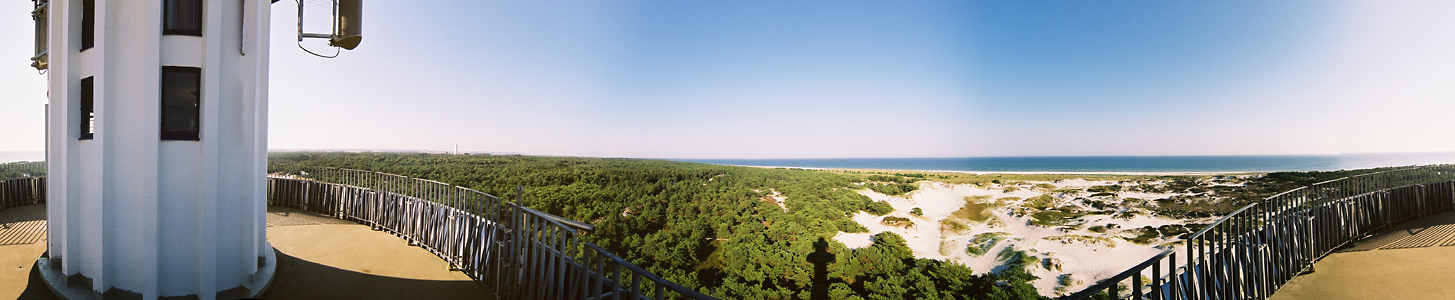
[
  {"x": 1137, "y": 285},
  {"x": 520, "y": 195},
  {"x": 1420, "y": 198},
  {"x": 1190, "y": 267},
  {"x": 1312, "y": 231}
]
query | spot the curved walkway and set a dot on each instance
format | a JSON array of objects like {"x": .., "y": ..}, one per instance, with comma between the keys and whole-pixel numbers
[
  {"x": 318, "y": 258},
  {"x": 336, "y": 259},
  {"x": 22, "y": 241},
  {"x": 1414, "y": 260}
]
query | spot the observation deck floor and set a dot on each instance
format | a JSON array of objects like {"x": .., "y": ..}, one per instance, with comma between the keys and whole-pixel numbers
[
  {"x": 318, "y": 258},
  {"x": 1413, "y": 260}
]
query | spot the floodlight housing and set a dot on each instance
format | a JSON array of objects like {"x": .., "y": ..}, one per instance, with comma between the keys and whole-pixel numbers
[
  {"x": 41, "y": 60},
  {"x": 347, "y": 25}
]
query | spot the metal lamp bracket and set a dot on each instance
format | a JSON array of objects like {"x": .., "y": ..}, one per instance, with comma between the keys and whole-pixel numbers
[
  {"x": 346, "y": 27},
  {"x": 41, "y": 60}
]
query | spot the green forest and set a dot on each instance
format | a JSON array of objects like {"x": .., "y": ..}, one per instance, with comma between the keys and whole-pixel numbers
[{"x": 712, "y": 228}]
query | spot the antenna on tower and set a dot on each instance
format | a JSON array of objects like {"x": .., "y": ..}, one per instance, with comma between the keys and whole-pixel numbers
[{"x": 348, "y": 24}]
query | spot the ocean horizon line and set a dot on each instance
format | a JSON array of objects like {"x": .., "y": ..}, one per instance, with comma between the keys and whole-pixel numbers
[
  {"x": 1015, "y": 172},
  {"x": 1207, "y": 164},
  {"x": 1100, "y": 164},
  {"x": 1054, "y": 156}
]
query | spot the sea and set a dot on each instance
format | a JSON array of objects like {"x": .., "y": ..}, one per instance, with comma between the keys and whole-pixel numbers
[
  {"x": 1110, "y": 164},
  {"x": 1065, "y": 164}
]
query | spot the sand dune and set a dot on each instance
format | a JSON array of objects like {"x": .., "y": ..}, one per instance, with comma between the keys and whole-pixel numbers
[{"x": 1060, "y": 250}]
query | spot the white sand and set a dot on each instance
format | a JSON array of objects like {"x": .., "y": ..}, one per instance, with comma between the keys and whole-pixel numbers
[
  {"x": 1145, "y": 196},
  {"x": 1089, "y": 262},
  {"x": 778, "y": 199}
]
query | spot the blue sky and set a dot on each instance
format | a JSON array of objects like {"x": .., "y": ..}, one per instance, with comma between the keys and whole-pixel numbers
[{"x": 819, "y": 79}]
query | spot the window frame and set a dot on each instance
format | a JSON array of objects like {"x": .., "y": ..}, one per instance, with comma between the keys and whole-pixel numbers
[
  {"x": 195, "y": 133},
  {"x": 88, "y": 108},
  {"x": 167, "y": 15},
  {"x": 88, "y": 24}
]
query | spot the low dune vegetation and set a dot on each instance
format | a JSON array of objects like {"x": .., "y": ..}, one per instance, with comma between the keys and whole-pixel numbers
[
  {"x": 976, "y": 209},
  {"x": 744, "y": 232}
]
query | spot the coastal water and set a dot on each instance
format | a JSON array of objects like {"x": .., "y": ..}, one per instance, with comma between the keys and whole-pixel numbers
[{"x": 1098, "y": 164}]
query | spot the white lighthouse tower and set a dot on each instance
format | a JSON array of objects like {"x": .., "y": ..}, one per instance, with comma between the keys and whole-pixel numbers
[{"x": 157, "y": 147}]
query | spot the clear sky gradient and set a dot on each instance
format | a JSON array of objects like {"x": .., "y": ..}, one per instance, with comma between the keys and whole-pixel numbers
[{"x": 821, "y": 79}]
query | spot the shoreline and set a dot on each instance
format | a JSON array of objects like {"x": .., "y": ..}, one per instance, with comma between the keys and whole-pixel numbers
[
  {"x": 1103, "y": 165},
  {"x": 1135, "y": 173}
]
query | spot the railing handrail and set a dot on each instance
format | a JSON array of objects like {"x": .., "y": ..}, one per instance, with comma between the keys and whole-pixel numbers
[
  {"x": 545, "y": 216},
  {"x": 23, "y": 191},
  {"x": 1116, "y": 279},
  {"x": 649, "y": 275},
  {"x": 1341, "y": 179},
  {"x": 1250, "y": 205},
  {"x": 558, "y": 220},
  {"x": 1214, "y": 224},
  {"x": 570, "y": 227},
  {"x": 564, "y": 222},
  {"x": 1310, "y": 221}
]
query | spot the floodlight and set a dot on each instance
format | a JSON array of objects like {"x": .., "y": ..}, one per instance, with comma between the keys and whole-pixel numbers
[
  {"x": 41, "y": 60},
  {"x": 347, "y": 26},
  {"x": 348, "y": 29}
]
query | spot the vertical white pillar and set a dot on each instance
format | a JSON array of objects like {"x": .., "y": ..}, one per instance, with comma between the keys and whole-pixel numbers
[{"x": 130, "y": 214}]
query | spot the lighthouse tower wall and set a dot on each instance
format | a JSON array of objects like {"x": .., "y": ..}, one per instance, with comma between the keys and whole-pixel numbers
[{"x": 134, "y": 207}]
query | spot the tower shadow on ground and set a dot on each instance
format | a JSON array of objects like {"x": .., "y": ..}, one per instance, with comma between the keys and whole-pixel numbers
[
  {"x": 820, "y": 259},
  {"x": 302, "y": 279},
  {"x": 35, "y": 287}
]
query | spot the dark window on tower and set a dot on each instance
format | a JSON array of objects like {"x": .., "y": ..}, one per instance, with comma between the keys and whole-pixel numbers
[
  {"x": 181, "y": 103},
  {"x": 88, "y": 24},
  {"x": 88, "y": 109},
  {"x": 182, "y": 17}
]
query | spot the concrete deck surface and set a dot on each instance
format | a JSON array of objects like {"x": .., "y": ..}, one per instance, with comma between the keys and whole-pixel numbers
[
  {"x": 1414, "y": 260},
  {"x": 22, "y": 241},
  {"x": 350, "y": 261},
  {"x": 318, "y": 258}
]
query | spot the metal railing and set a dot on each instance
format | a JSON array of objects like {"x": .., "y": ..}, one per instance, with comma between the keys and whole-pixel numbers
[
  {"x": 21, "y": 184},
  {"x": 513, "y": 250},
  {"x": 521, "y": 253},
  {"x": 1255, "y": 250}
]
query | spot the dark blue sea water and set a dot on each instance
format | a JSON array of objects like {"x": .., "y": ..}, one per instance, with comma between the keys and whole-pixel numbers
[{"x": 1249, "y": 163}]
